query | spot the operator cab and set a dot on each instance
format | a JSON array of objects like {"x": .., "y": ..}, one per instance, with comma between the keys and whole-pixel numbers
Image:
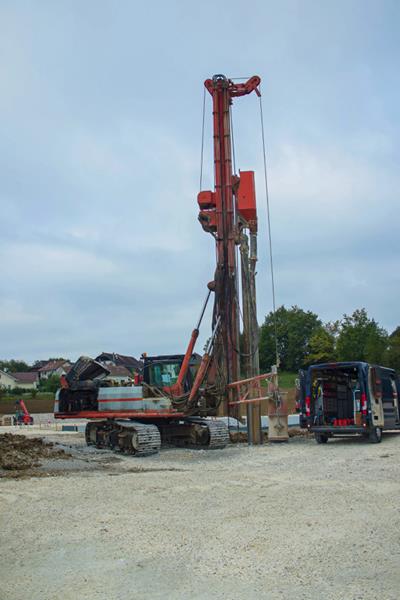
[{"x": 163, "y": 371}]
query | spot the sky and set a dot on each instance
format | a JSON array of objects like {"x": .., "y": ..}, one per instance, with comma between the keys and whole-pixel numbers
[{"x": 100, "y": 136}]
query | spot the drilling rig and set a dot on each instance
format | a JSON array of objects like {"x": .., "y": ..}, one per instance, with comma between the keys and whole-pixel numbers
[
  {"x": 176, "y": 399},
  {"x": 229, "y": 213}
]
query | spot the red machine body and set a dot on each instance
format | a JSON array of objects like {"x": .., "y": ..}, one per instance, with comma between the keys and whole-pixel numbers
[{"x": 246, "y": 199}]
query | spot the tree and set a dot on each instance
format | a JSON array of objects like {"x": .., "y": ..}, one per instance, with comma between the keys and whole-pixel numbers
[
  {"x": 321, "y": 347},
  {"x": 14, "y": 366},
  {"x": 51, "y": 384},
  {"x": 392, "y": 354},
  {"x": 294, "y": 328},
  {"x": 361, "y": 338}
]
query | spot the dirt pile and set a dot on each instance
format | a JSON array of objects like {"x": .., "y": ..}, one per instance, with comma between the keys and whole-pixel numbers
[
  {"x": 240, "y": 437},
  {"x": 19, "y": 453}
]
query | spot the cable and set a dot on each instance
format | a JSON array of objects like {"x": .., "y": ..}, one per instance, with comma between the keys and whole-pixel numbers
[
  {"x": 233, "y": 141},
  {"x": 269, "y": 232},
  {"x": 278, "y": 396},
  {"x": 202, "y": 139}
]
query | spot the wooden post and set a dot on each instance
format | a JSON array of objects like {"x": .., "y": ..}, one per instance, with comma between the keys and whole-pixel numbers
[
  {"x": 250, "y": 332},
  {"x": 277, "y": 413}
]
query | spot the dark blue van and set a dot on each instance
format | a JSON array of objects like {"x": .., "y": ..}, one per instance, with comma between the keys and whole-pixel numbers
[{"x": 347, "y": 398}]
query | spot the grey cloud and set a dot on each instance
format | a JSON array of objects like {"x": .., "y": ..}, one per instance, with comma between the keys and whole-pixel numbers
[{"x": 100, "y": 248}]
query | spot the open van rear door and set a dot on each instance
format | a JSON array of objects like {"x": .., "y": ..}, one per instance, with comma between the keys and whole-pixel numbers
[
  {"x": 397, "y": 383},
  {"x": 301, "y": 397},
  {"x": 384, "y": 403}
]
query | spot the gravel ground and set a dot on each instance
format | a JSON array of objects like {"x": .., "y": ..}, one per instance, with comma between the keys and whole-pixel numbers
[{"x": 284, "y": 521}]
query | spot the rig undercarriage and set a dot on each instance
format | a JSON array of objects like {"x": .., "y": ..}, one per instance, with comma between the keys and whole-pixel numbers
[{"x": 143, "y": 439}]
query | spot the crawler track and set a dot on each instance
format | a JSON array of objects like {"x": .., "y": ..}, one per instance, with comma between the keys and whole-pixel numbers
[
  {"x": 217, "y": 430},
  {"x": 131, "y": 437},
  {"x": 143, "y": 439}
]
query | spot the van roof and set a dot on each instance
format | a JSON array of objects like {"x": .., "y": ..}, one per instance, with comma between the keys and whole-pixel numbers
[
  {"x": 352, "y": 363},
  {"x": 332, "y": 365}
]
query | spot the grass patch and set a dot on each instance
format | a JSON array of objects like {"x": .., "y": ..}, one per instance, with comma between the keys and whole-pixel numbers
[
  {"x": 43, "y": 402},
  {"x": 287, "y": 379},
  {"x": 27, "y": 396}
]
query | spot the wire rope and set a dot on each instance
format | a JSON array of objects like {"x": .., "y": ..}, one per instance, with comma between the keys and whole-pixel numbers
[
  {"x": 271, "y": 260},
  {"x": 202, "y": 139},
  {"x": 233, "y": 140}
]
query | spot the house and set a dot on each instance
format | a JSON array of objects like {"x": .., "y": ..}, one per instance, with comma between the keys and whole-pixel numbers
[
  {"x": 54, "y": 367},
  {"x": 25, "y": 380},
  {"x": 119, "y": 375},
  {"x": 38, "y": 364},
  {"x": 7, "y": 380},
  {"x": 119, "y": 360}
]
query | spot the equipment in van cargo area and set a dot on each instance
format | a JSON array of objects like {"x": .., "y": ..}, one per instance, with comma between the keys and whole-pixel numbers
[{"x": 349, "y": 398}]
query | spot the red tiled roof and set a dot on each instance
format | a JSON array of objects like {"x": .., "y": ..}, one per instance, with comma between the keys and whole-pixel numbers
[
  {"x": 25, "y": 377},
  {"x": 53, "y": 365}
]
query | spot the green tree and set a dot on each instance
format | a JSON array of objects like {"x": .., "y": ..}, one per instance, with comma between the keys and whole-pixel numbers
[
  {"x": 333, "y": 327},
  {"x": 14, "y": 366},
  {"x": 51, "y": 384},
  {"x": 392, "y": 354},
  {"x": 361, "y": 338},
  {"x": 294, "y": 329},
  {"x": 321, "y": 347}
]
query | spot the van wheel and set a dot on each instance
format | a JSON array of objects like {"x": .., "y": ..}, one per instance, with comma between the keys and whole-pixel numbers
[
  {"x": 321, "y": 438},
  {"x": 375, "y": 435}
]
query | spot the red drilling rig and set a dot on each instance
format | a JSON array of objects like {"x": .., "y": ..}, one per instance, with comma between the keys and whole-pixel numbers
[
  {"x": 228, "y": 213},
  {"x": 174, "y": 396}
]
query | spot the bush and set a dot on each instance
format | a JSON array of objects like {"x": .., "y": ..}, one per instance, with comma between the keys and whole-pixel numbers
[
  {"x": 51, "y": 384},
  {"x": 18, "y": 391}
]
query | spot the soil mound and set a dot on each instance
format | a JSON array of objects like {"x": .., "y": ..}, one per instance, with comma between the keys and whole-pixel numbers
[{"x": 18, "y": 453}]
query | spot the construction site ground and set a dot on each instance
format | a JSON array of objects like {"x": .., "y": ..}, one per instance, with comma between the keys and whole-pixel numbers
[{"x": 296, "y": 520}]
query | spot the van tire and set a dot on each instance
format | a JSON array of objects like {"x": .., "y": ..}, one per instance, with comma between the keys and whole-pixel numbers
[
  {"x": 321, "y": 438},
  {"x": 375, "y": 435}
]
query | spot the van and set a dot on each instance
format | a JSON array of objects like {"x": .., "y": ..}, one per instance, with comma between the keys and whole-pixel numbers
[{"x": 348, "y": 398}]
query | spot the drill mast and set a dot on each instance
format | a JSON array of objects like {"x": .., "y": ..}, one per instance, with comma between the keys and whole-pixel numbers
[{"x": 226, "y": 213}]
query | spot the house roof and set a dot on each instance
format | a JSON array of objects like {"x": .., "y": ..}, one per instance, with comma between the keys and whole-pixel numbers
[
  {"x": 25, "y": 377},
  {"x": 53, "y": 365},
  {"x": 8, "y": 373},
  {"x": 130, "y": 362},
  {"x": 118, "y": 371},
  {"x": 38, "y": 365}
]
